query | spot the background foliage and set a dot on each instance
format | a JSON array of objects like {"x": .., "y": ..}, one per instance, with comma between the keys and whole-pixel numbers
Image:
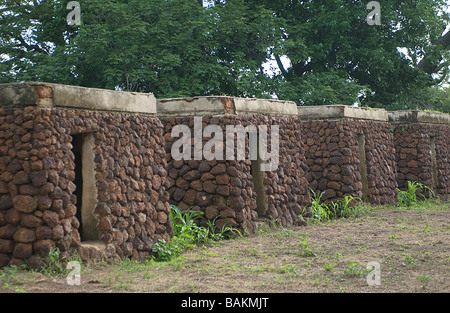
[{"x": 322, "y": 51}]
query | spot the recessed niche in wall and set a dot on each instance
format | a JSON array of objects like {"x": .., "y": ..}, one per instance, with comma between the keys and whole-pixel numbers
[
  {"x": 258, "y": 176},
  {"x": 363, "y": 164},
  {"x": 86, "y": 190},
  {"x": 434, "y": 163}
]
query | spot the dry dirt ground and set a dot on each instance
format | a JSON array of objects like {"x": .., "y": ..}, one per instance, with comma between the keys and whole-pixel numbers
[{"x": 412, "y": 248}]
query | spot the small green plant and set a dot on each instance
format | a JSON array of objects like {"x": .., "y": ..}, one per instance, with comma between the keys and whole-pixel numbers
[
  {"x": 346, "y": 207},
  {"x": 289, "y": 268},
  {"x": 328, "y": 267},
  {"x": 222, "y": 233},
  {"x": 125, "y": 285},
  {"x": 56, "y": 266},
  {"x": 187, "y": 234},
  {"x": 424, "y": 279},
  {"x": 393, "y": 238},
  {"x": 9, "y": 272},
  {"x": 8, "y": 275},
  {"x": 148, "y": 275},
  {"x": 19, "y": 290},
  {"x": 342, "y": 208},
  {"x": 427, "y": 229},
  {"x": 410, "y": 197},
  {"x": 409, "y": 260},
  {"x": 320, "y": 211},
  {"x": 305, "y": 250},
  {"x": 355, "y": 270}
]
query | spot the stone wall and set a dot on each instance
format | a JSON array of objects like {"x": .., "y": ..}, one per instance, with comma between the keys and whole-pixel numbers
[
  {"x": 92, "y": 171},
  {"x": 39, "y": 209},
  {"x": 422, "y": 141},
  {"x": 332, "y": 151},
  {"x": 236, "y": 192},
  {"x": 349, "y": 152}
]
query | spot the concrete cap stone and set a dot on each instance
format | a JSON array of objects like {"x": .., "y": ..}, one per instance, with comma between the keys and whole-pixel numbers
[
  {"x": 49, "y": 95},
  {"x": 220, "y": 105},
  {"x": 321, "y": 112},
  {"x": 419, "y": 117}
]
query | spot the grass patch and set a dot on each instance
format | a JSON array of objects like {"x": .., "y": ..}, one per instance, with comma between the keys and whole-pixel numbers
[
  {"x": 356, "y": 270},
  {"x": 56, "y": 267},
  {"x": 346, "y": 207},
  {"x": 413, "y": 194},
  {"x": 304, "y": 249},
  {"x": 187, "y": 234}
]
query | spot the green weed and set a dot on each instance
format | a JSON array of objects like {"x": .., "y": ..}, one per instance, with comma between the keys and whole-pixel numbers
[
  {"x": 328, "y": 267},
  {"x": 57, "y": 267},
  {"x": 342, "y": 208},
  {"x": 187, "y": 234},
  {"x": 305, "y": 250},
  {"x": 8, "y": 276},
  {"x": 411, "y": 196},
  {"x": 355, "y": 270},
  {"x": 424, "y": 279},
  {"x": 409, "y": 260},
  {"x": 289, "y": 269}
]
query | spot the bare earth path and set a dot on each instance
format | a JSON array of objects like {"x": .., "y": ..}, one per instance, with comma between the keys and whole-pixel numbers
[{"x": 412, "y": 248}]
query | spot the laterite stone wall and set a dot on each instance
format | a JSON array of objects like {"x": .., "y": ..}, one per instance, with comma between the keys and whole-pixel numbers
[
  {"x": 38, "y": 206},
  {"x": 333, "y": 155},
  {"x": 226, "y": 190},
  {"x": 91, "y": 171},
  {"x": 422, "y": 155}
]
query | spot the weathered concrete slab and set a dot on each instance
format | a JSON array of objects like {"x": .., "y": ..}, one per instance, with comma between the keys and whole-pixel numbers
[
  {"x": 219, "y": 105},
  {"x": 321, "y": 112},
  {"x": 419, "y": 117},
  {"x": 56, "y": 95}
]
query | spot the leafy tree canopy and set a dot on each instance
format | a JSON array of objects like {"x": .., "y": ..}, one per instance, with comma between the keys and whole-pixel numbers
[
  {"x": 178, "y": 48},
  {"x": 168, "y": 47}
]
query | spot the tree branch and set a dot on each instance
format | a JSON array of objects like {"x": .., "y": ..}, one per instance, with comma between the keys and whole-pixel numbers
[
  {"x": 32, "y": 47},
  {"x": 281, "y": 67},
  {"x": 425, "y": 65}
]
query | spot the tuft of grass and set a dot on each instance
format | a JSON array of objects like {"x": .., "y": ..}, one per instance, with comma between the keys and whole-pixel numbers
[
  {"x": 305, "y": 250},
  {"x": 346, "y": 207},
  {"x": 409, "y": 260},
  {"x": 8, "y": 277},
  {"x": 289, "y": 269},
  {"x": 187, "y": 234},
  {"x": 328, "y": 267},
  {"x": 413, "y": 194},
  {"x": 424, "y": 279},
  {"x": 57, "y": 267},
  {"x": 355, "y": 270}
]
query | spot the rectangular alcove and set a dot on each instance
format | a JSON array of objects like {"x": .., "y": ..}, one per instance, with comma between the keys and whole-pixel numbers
[
  {"x": 434, "y": 162},
  {"x": 86, "y": 192},
  {"x": 258, "y": 176},
  {"x": 363, "y": 164}
]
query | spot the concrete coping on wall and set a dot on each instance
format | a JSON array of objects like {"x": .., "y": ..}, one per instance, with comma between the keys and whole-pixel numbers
[
  {"x": 49, "y": 95},
  {"x": 221, "y": 105},
  {"x": 419, "y": 117},
  {"x": 337, "y": 111}
]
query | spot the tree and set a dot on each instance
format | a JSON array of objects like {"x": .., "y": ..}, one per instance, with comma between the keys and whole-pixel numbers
[
  {"x": 178, "y": 48},
  {"x": 169, "y": 47},
  {"x": 336, "y": 56}
]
